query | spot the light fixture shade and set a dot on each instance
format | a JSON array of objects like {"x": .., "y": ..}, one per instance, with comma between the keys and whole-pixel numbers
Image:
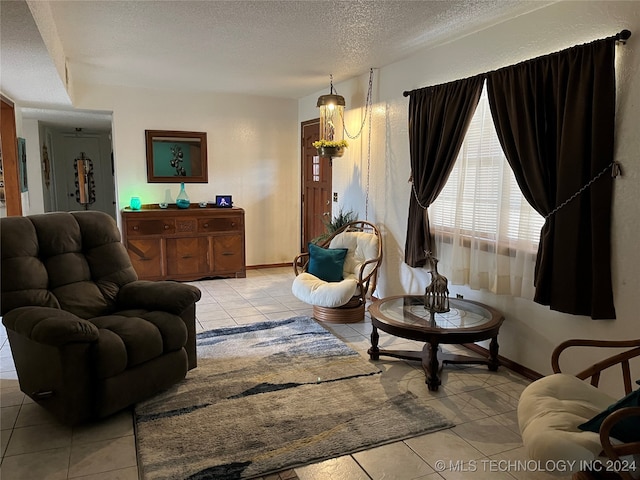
[
  {"x": 331, "y": 99},
  {"x": 331, "y": 115}
]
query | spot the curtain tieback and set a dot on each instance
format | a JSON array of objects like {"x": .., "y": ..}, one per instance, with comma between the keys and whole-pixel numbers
[
  {"x": 415, "y": 194},
  {"x": 615, "y": 171}
]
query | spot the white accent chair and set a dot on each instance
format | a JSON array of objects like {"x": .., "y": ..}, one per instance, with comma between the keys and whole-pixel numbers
[
  {"x": 551, "y": 409},
  {"x": 342, "y": 301}
]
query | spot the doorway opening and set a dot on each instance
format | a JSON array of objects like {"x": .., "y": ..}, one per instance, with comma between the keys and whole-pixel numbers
[{"x": 69, "y": 148}]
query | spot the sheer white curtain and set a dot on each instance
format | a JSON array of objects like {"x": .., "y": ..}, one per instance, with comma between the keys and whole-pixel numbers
[{"x": 486, "y": 233}]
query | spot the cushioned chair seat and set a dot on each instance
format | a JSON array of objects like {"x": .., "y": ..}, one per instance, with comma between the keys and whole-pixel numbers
[
  {"x": 549, "y": 412},
  {"x": 129, "y": 340},
  {"x": 570, "y": 425},
  {"x": 314, "y": 291}
]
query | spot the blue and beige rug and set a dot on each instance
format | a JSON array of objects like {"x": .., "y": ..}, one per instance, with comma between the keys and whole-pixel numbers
[{"x": 272, "y": 396}]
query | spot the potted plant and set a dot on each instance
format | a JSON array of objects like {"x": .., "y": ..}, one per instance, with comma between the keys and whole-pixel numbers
[
  {"x": 330, "y": 148},
  {"x": 339, "y": 221}
]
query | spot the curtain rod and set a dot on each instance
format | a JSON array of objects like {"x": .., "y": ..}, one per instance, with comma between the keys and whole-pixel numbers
[{"x": 622, "y": 37}]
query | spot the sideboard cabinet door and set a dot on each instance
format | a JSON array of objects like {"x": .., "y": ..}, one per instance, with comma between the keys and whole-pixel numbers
[
  {"x": 187, "y": 256},
  {"x": 145, "y": 254},
  {"x": 227, "y": 253}
]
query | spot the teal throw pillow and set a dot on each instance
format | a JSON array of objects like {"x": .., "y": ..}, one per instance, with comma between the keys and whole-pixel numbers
[
  {"x": 326, "y": 263},
  {"x": 626, "y": 430}
]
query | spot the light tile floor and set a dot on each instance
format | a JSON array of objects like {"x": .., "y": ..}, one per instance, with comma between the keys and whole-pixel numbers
[{"x": 485, "y": 442}]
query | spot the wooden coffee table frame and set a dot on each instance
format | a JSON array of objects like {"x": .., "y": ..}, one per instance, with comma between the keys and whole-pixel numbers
[{"x": 434, "y": 336}]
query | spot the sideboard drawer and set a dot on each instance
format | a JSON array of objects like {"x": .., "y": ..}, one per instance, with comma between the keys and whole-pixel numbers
[
  {"x": 185, "y": 225},
  {"x": 150, "y": 227},
  {"x": 220, "y": 224}
]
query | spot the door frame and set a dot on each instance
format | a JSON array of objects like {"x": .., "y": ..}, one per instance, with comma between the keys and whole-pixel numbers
[
  {"x": 67, "y": 144},
  {"x": 9, "y": 146}
]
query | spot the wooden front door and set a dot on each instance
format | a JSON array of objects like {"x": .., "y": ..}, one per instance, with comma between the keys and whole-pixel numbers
[{"x": 316, "y": 185}]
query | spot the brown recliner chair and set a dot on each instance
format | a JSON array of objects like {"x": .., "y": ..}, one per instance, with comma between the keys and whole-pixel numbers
[{"x": 87, "y": 337}]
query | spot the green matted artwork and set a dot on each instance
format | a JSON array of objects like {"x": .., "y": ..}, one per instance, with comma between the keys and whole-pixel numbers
[{"x": 179, "y": 155}]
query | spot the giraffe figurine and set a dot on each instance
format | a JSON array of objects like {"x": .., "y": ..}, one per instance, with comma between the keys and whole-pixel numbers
[{"x": 436, "y": 296}]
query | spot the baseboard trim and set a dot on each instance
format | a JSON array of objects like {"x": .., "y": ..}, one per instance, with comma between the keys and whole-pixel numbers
[
  {"x": 270, "y": 265},
  {"x": 505, "y": 362}
]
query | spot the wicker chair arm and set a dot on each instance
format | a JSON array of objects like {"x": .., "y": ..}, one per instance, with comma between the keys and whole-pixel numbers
[
  {"x": 594, "y": 370},
  {"x": 614, "y": 452},
  {"x": 300, "y": 263},
  {"x": 365, "y": 280}
]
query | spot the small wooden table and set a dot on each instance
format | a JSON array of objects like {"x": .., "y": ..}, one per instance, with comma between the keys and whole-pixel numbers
[{"x": 405, "y": 316}]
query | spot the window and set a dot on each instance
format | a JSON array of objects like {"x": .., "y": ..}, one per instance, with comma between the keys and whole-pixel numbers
[
  {"x": 481, "y": 213},
  {"x": 481, "y": 197},
  {"x": 315, "y": 173}
]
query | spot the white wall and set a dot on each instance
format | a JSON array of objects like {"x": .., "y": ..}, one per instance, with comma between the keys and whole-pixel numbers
[
  {"x": 530, "y": 331},
  {"x": 252, "y": 155}
]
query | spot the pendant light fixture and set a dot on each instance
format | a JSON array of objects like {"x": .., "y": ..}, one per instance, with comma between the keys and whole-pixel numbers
[
  {"x": 332, "y": 128},
  {"x": 331, "y": 143}
]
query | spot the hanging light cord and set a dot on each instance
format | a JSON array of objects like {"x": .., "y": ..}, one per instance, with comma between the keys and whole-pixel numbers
[
  {"x": 366, "y": 202},
  {"x": 367, "y": 115},
  {"x": 367, "y": 110}
]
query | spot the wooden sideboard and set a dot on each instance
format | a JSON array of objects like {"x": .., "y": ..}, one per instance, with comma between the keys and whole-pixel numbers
[{"x": 185, "y": 244}]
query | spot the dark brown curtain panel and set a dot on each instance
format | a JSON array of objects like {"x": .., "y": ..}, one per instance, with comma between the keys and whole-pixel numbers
[
  {"x": 439, "y": 117},
  {"x": 555, "y": 120}
]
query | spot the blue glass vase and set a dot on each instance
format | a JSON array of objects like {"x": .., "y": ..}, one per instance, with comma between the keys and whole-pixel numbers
[{"x": 182, "y": 200}]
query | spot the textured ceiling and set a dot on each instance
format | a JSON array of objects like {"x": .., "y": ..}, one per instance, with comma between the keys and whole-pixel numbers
[{"x": 273, "y": 48}]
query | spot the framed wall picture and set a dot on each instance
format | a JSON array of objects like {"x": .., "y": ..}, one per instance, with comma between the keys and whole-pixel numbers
[{"x": 176, "y": 157}]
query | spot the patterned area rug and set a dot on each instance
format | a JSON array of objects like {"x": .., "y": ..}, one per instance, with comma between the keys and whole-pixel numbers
[{"x": 271, "y": 396}]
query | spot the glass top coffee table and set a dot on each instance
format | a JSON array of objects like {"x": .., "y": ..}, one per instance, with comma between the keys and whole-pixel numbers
[{"x": 467, "y": 322}]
